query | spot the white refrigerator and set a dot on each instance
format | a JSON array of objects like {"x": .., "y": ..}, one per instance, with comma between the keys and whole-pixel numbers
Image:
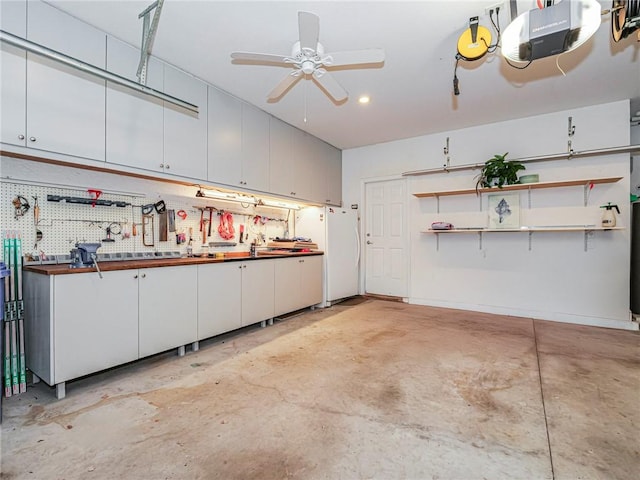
[{"x": 336, "y": 231}]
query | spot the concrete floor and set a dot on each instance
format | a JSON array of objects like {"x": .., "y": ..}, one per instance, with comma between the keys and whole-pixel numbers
[{"x": 379, "y": 390}]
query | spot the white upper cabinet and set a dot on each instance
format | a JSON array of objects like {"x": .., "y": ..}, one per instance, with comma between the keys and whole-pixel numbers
[
  {"x": 65, "y": 107},
  {"x": 319, "y": 170},
  {"x": 135, "y": 128},
  {"x": 13, "y": 75},
  {"x": 185, "y": 132},
  {"x": 225, "y": 138},
  {"x": 281, "y": 162},
  {"x": 255, "y": 148},
  {"x": 303, "y": 165},
  {"x": 334, "y": 176},
  {"x": 238, "y": 152}
]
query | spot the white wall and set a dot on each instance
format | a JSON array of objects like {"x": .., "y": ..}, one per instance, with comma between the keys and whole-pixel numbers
[{"x": 554, "y": 279}]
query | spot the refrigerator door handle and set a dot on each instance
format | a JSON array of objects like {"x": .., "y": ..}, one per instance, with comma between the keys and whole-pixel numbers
[{"x": 357, "y": 245}]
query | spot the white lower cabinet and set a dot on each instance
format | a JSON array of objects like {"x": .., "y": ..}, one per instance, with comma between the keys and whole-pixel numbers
[
  {"x": 167, "y": 306},
  {"x": 95, "y": 322},
  {"x": 233, "y": 295},
  {"x": 219, "y": 298},
  {"x": 257, "y": 291},
  {"x": 298, "y": 283}
]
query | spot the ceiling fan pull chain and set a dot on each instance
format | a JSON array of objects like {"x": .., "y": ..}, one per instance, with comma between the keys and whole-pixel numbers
[{"x": 305, "y": 103}]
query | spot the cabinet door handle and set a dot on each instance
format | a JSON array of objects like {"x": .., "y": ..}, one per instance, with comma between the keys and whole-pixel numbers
[
  {"x": 135, "y": 276},
  {"x": 144, "y": 275},
  {"x": 20, "y": 137},
  {"x": 167, "y": 167},
  {"x": 369, "y": 242},
  {"x": 162, "y": 165},
  {"x": 32, "y": 139}
]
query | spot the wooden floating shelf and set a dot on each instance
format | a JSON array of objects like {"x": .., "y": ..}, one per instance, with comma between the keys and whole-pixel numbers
[
  {"x": 520, "y": 186},
  {"x": 523, "y": 230}
]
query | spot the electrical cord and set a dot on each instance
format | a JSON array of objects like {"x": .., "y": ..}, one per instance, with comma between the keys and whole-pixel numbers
[{"x": 456, "y": 89}]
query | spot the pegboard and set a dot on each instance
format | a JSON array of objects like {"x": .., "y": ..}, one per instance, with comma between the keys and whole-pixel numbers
[{"x": 63, "y": 224}]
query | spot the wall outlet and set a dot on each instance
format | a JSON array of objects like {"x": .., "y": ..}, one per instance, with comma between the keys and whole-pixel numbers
[{"x": 493, "y": 7}]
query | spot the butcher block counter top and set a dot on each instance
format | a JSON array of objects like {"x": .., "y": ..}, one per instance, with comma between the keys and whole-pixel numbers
[{"x": 109, "y": 266}]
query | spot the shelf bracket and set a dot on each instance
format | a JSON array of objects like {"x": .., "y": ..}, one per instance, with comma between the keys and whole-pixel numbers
[
  {"x": 447, "y": 162},
  {"x": 587, "y": 191},
  {"x": 570, "y": 132}
]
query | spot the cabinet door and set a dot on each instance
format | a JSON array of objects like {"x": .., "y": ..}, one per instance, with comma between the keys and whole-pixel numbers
[
  {"x": 287, "y": 285},
  {"x": 13, "y": 75},
  {"x": 311, "y": 281},
  {"x": 334, "y": 176},
  {"x": 318, "y": 170},
  {"x": 281, "y": 174},
  {"x": 225, "y": 138},
  {"x": 255, "y": 148},
  {"x": 65, "y": 107},
  {"x": 303, "y": 164},
  {"x": 167, "y": 308},
  {"x": 257, "y": 291},
  {"x": 134, "y": 120},
  {"x": 219, "y": 298},
  {"x": 95, "y": 322},
  {"x": 185, "y": 133}
]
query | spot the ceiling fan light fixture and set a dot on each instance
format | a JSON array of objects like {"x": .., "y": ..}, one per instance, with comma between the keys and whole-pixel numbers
[{"x": 560, "y": 28}]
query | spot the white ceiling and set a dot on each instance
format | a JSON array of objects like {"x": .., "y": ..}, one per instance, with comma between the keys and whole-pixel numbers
[{"x": 411, "y": 94}]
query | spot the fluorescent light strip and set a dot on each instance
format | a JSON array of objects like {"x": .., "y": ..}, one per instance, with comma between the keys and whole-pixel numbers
[
  {"x": 32, "y": 47},
  {"x": 235, "y": 197}
]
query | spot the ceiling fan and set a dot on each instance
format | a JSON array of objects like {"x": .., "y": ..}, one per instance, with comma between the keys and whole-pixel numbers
[{"x": 308, "y": 59}]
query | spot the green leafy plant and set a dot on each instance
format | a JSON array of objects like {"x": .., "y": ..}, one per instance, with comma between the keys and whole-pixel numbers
[{"x": 499, "y": 172}]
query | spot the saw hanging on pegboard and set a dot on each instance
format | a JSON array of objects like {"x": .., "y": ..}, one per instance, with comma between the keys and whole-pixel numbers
[
  {"x": 625, "y": 19},
  {"x": 475, "y": 43}
]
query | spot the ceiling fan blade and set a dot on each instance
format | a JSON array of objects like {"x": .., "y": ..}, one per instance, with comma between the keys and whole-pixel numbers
[
  {"x": 260, "y": 57},
  {"x": 330, "y": 85},
  {"x": 286, "y": 83},
  {"x": 309, "y": 29},
  {"x": 355, "y": 57}
]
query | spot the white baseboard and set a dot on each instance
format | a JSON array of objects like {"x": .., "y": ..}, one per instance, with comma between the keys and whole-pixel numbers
[{"x": 550, "y": 316}]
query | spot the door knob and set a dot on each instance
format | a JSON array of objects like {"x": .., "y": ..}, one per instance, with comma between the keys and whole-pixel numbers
[{"x": 369, "y": 242}]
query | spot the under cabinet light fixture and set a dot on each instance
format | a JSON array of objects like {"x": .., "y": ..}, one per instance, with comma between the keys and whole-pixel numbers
[
  {"x": 279, "y": 204},
  {"x": 38, "y": 49},
  {"x": 240, "y": 198},
  {"x": 227, "y": 196}
]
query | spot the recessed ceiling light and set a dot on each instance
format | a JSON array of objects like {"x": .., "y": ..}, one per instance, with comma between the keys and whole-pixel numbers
[{"x": 364, "y": 99}]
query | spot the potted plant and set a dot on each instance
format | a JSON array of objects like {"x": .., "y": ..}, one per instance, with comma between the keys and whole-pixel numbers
[{"x": 499, "y": 172}]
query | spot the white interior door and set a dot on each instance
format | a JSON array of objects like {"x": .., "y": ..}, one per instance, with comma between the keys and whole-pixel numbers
[{"x": 385, "y": 238}]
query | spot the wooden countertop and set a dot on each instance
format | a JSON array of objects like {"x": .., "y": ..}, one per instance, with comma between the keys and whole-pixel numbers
[{"x": 64, "y": 269}]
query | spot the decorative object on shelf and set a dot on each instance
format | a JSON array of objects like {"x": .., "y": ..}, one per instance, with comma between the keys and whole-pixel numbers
[
  {"x": 499, "y": 172},
  {"x": 533, "y": 178},
  {"x": 504, "y": 211},
  {"x": 441, "y": 226}
]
